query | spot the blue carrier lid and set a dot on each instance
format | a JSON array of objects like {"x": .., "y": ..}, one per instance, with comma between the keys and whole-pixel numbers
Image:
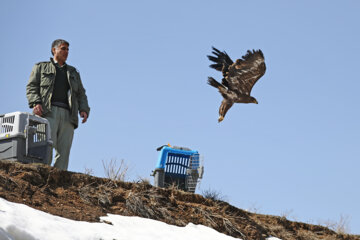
[{"x": 166, "y": 150}]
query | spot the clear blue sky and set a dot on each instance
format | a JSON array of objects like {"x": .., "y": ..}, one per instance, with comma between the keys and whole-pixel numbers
[{"x": 144, "y": 66}]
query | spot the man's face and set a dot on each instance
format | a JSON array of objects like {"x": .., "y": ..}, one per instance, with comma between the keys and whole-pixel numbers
[{"x": 61, "y": 52}]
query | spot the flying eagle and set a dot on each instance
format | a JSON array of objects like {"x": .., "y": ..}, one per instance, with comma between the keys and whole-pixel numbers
[{"x": 239, "y": 77}]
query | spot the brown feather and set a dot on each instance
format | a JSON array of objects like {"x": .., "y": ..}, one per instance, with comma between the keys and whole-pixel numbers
[{"x": 245, "y": 72}]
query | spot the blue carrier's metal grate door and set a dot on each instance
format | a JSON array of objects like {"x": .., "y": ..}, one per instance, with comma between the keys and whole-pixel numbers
[{"x": 175, "y": 170}]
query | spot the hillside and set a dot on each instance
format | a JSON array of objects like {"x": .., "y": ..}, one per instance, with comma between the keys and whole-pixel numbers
[{"x": 83, "y": 197}]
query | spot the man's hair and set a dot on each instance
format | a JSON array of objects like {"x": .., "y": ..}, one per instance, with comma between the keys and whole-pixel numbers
[{"x": 57, "y": 43}]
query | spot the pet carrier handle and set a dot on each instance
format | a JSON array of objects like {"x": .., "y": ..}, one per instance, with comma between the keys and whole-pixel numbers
[{"x": 161, "y": 147}]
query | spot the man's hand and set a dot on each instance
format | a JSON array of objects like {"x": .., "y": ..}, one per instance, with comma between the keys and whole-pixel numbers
[
  {"x": 84, "y": 116},
  {"x": 38, "y": 110}
]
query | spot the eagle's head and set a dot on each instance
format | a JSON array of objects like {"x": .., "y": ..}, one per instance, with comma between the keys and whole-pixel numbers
[
  {"x": 253, "y": 100},
  {"x": 248, "y": 99}
]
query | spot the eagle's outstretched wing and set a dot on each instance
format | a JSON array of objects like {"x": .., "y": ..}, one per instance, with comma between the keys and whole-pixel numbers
[
  {"x": 244, "y": 73},
  {"x": 222, "y": 61}
]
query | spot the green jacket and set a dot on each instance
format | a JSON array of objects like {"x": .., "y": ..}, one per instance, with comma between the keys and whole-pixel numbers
[{"x": 41, "y": 84}]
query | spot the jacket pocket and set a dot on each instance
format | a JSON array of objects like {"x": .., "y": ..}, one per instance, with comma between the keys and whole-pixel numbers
[
  {"x": 47, "y": 79},
  {"x": 46, "y": 83},
  {"x": 74, "y": 85}
]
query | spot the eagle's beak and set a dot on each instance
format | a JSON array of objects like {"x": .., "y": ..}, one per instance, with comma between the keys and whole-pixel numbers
[
  {"x": 220, "y": 118},
  {"x": 256, "y": 102}
]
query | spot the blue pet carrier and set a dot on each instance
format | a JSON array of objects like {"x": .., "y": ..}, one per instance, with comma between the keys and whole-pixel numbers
[{"x": 179, "y": 167}]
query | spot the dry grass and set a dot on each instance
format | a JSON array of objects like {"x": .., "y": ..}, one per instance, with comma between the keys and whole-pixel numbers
[
  {"x": 254, "y": 209},
  {"x": 148, "y": 203},
  {"x": 288, "y": 214},
  {"x": 114, "y": 170},
  {"x": 88, "y": 171},
  {"x": 280, "y": 232},
  {"x": 213, "y": 195},
  {"x": 341, "y": 226},
  {"x": 307, "y": 235},
  {"x": 142, "y": 180}
]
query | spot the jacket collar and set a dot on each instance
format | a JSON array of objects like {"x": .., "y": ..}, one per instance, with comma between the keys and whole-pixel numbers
[{"x": 53, "y": 61}]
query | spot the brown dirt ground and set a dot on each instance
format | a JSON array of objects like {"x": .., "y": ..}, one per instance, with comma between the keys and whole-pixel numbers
[{"x": 83, "y": 197}]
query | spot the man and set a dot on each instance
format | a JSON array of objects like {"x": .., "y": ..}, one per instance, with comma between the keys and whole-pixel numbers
[{"x": 55, "y": 92}]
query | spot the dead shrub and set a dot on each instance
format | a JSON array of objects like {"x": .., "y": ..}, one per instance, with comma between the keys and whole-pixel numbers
[
  {"x": 341, "y": 227},
  {"x": 88, "y": 171},
  {"x": 213, "y": 195},
  {"x": 114, "y": 170}
]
